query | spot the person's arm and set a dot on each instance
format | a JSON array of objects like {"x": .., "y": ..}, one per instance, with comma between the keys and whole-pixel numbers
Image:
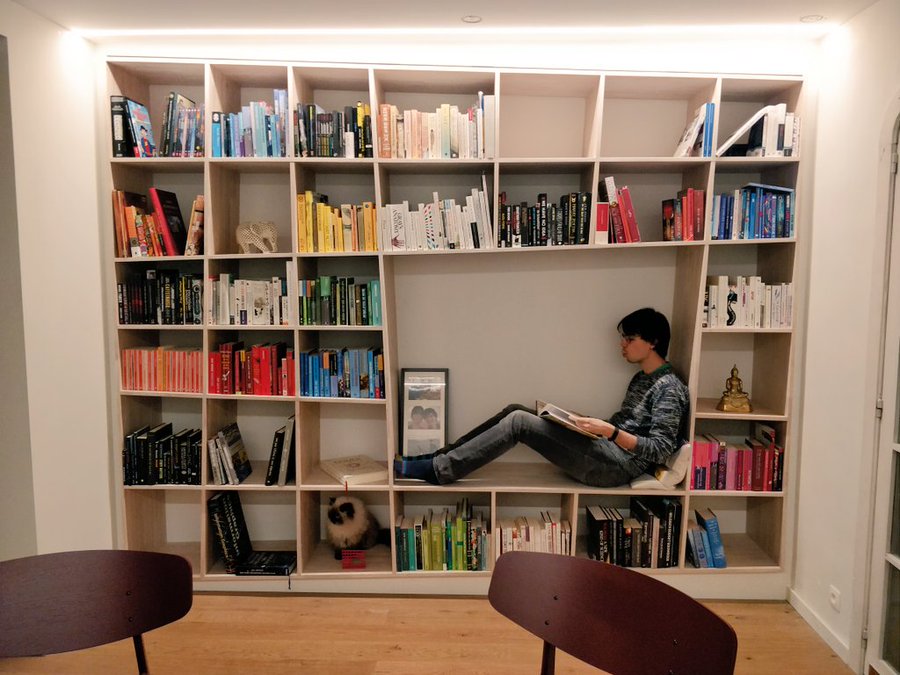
[
  {"x": 606, "y": 430},
  {"x": 667, "y": 408}
]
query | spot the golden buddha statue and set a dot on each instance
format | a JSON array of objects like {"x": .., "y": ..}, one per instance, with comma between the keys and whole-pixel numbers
[{"x": 733, "y": 398}]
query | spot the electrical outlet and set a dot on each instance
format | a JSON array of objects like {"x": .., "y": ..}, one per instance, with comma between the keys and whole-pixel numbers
[{"x": 834, "y": 598}]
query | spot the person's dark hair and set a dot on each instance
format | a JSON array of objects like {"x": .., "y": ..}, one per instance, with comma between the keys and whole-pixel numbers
[{"x": 650, "y": 325}]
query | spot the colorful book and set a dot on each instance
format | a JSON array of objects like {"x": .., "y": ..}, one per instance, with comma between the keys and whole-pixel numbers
[
  {"x": 708, "y": 521},
  {"x": 141, "y": 129},
  {"x": 170, "y": 221}
]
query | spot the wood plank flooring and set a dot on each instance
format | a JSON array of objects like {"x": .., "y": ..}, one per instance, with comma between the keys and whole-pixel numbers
[{"x": 324, "y": 635}]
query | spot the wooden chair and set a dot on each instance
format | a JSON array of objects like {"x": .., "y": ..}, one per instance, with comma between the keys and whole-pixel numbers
[
  {"x": 616, "y": 619},
  {"x": 59, "y": 602}
]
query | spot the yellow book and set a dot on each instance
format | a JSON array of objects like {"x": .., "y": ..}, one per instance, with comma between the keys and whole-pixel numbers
[
  {"x": 337, "y": 226},
  {"x": 301, "y": 224},
  {"x": 369, "y": 225},
  {"x": 311, "y": 241},
  {"x": 323, "y": 225}
]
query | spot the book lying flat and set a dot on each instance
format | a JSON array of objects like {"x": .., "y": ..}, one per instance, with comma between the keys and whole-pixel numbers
[
  {"x": 354, "y": 469},
  {"x": 560, "y": 416},
  {"x": 267, "y": 563}
]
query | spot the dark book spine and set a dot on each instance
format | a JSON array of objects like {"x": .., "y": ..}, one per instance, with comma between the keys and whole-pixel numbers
[{"x": 122, "y": 145}]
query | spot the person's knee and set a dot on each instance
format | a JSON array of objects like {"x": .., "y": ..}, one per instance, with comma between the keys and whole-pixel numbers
[
  {"x": 515, "y": 407},
  {"x": 520, "y": 420}
]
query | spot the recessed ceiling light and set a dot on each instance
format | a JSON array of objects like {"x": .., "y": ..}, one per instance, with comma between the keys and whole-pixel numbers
[
  {"x": 471, "y": 18},
  {"x": 812, "y": 18}
]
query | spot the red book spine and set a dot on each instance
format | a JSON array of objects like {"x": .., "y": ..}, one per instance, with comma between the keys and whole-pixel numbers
[
  {"x": 256, "y": 356},
  {"x": 292, "y": 374},
  {"x": 687, "y": 215},
  {"x": 162, "y": 224},
  {"x": 758, "y": 476},
  {"x": 215, "y": 373},
  {"x": 699, "y": 213},
  {"x": 628, "y": 215}
]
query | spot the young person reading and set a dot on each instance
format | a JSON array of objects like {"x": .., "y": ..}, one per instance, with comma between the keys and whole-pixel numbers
[{"x": 650, "y": 425}]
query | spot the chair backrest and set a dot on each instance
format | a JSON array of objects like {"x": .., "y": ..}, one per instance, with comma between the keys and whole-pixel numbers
[
  {"x": 60, "y": 602},
  {"x": 616, "y": 619}
]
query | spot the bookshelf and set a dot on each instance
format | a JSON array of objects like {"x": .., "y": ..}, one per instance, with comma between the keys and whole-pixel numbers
[{"x": 492, "y": 316}]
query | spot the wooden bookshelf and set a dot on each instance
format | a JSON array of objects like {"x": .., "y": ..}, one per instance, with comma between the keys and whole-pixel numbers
[{"x": 484, "y": 313}]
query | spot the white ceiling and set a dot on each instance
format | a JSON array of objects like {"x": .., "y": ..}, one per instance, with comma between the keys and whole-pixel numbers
[{"x": 371, "y": 14}]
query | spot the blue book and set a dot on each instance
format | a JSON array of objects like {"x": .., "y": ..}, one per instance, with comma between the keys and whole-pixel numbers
[
  {"x": 708, "y": 521},
  {"x": 216, "y": 134}
]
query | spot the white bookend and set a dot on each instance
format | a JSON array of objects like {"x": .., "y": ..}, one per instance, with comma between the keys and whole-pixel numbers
[{"x": 743, "y": 129}]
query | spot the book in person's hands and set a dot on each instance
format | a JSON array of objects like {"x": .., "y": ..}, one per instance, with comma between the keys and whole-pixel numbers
[
  {"x": 354, "y": 469},
  {"x": 562, "y": 417}
]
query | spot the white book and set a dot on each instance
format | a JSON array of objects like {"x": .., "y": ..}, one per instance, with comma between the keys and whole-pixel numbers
[
  {"x": 691, "y": 131},
  {"x": 489, "y": 126},
  {"x": 741, "y": 130},
  {"x": 286, "y": 450},
  {"x": 355, "y": 469},
  {"x": 774, "y": 120}
]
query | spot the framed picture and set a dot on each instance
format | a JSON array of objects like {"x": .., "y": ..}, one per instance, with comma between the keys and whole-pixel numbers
[{"x": 423, "y": 410}]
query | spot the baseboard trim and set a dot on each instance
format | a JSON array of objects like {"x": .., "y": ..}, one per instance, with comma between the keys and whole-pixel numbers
[{"x": 838, "y": 646}]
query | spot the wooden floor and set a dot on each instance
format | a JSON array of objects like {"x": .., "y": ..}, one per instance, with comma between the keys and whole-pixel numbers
[{"x": 245, "y": 634}]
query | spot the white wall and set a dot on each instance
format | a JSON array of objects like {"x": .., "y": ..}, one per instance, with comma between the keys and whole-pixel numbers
[
  {"x": 859, "y": 78},
  {"x": 53, "y": 119}
]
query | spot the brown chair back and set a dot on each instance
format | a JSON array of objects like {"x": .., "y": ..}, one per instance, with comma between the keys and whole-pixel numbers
[
  {"x": 616, "y": 619},
  {"x": 60, "y": 602}
]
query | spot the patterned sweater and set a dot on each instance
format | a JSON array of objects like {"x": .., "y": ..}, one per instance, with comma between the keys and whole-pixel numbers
[{"x": 655, "y": 410}]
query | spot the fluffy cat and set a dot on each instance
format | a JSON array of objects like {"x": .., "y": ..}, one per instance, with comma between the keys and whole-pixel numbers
[{"x": 350, "y": 525}]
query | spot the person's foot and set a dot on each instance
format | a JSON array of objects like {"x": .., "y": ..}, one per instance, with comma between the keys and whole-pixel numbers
[{"x": 417, "y": 468}]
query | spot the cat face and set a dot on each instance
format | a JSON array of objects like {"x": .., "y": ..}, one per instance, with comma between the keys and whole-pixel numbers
[{"x": 340, "y": 513}]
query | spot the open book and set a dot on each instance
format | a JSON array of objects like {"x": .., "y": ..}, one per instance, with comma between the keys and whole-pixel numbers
[{"x": 560, "y": 416}]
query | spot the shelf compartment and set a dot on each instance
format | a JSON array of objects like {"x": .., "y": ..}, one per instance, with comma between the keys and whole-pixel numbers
[
  {"x": 649, "y": 188},
  {"x": 331, "y": 431},
  {"x": 250, "y": 192},
  {"x": 561, "y": 505},
  {"x": 645, "y": 116},
  {"x": 743, "y": 97},
  {"x": 751, "y": 527},
  {"x": 257, "y": 420},
  {"x": 150, "y": 84},
  {"x": 417, "y": 183},
  {"x": 271, "y": 521},
  {"x": 413, "y": 505},
  {"x": 565, "y": 101},
  {"x": 165, "y": 521},
  {"x": 763, "y": 362},
  {"x": 263, "y": 268},
  {"x": 317, "y": 556}
]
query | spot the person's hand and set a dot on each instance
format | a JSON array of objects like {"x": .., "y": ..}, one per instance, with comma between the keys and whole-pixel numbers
[{"x": 592, "y": 425}]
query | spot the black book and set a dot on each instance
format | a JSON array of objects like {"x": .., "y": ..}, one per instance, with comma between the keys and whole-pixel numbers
[
  {"x": 267, "y": 563},
  {"x": 230, "y": 532},
  {"x": 122, "y": 143},
  {"x": 275, "y": 457}
]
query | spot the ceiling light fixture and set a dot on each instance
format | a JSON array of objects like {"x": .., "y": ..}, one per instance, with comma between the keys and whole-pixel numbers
[
  {"x": 471, "y": 18},
  {"x": 812, "y": 18}
]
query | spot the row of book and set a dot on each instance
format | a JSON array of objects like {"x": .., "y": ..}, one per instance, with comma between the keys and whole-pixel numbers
[
  {"x": 545, "y": 223},
  {"x": 447, "y": 133},
  {"x": 746, "y": 302},
  {"x": 647, "y": 537},
  {"x": 771, "y": 131},
  {"x": 248, "y": 302},
  {"x": 154, "y": 455},
  {"x": 323, "y": 228},
  {"x": 164, "y": 368},
  {"x": 440, "y": 224},
  {"x": 231, "y": 540},
  {"x": 704, "y": 540},
  {"x": 756, "y": 464},
  {"x": 445, "y": 541},
  {"x": 264, "y": 369},
  {"x": 342, "y": 373},
  {"x": 183, "y": 128},
  {"x": 755, "y": 211},
  {"x": 339, "y": 301},
  {"x": 622, "y": 221},
  {"x": 546, "y": 534},
  {"x": 258, "y": 130},
  {"x": 161, "y": 297},
  {"x": 684, "y": 216},
  {"x": 320, "y": 133},
  {"x": 152, "y": 225}
]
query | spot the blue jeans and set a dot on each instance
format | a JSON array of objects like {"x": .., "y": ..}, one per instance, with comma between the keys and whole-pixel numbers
[{"x": 598, "y": 463}]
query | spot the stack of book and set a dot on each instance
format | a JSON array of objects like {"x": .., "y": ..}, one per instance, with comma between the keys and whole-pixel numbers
[
  {"x": 258, "y": 130},
  {"x": 323, "y": 228},
  {"x": 342, "y": 373},
  {"x": 546, "y": 534},
  {"x": 154, "y": 455},
  {"x": 228, "y": 460},
  {"x": 320, "y": 133},
  {"x": 545, "y": 223},
  {"x": 340, "y": 301},
  {"x": 623, "y": 227}
]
